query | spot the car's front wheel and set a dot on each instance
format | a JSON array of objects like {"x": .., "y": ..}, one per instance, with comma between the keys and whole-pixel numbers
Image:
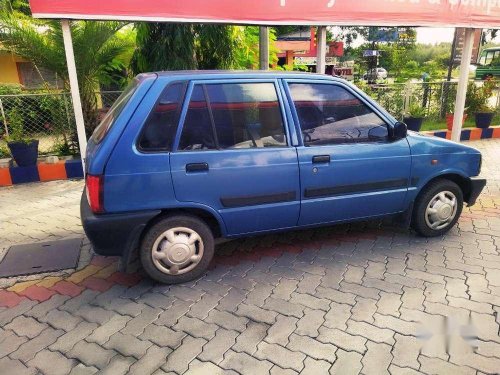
[
  {"x": 437, "y": 208},
  {"x": 177, "y": 249}
]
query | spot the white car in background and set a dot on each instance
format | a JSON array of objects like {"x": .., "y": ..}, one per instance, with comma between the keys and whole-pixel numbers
[{"x": 375, "y": 74}]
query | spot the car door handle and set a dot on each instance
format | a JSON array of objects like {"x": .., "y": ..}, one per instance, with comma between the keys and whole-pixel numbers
[
  {"x": 196, "y": 167},
  {"x": 321, "y": 159}
]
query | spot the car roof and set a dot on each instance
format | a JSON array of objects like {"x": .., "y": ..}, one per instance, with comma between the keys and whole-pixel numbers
[{"x": 225, "y": 74}]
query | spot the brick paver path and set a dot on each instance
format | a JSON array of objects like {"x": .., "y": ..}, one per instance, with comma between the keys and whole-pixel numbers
[{"x": 364, "y": 298}]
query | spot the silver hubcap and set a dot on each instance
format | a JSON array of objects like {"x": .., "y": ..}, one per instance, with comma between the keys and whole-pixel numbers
[
  {"x": 441, "y": 210},
  {"x": 177, "y": 251}
]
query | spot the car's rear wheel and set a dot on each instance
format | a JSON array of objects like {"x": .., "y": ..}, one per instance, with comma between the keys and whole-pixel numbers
[
  {"x": 437, "y": 208},
  {"x": 177, "y": 249}
]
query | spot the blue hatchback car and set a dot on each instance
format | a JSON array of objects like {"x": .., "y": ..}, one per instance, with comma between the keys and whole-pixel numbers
[{"x": 185, "y": 157}]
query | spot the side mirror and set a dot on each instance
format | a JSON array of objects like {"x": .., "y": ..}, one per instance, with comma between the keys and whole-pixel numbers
[{"x": 399, "y": 130}]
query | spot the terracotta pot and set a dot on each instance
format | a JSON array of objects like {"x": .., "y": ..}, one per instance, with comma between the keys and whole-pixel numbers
[{"x": 449, "y": 120}]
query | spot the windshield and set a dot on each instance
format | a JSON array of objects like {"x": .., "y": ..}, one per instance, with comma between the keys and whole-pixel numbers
[
  {"x": 113, "y": 113},
  {"x": 489, "y": 57}
]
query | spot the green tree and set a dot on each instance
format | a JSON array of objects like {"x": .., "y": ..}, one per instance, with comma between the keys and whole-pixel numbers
[
  {"x": 96, "y": 47},
  {"x": 162, "y": 46}
]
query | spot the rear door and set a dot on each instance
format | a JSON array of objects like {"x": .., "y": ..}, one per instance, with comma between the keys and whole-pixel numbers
[
  {"x": 233, "y": 154},
  {"x": 349, "y": 168}
]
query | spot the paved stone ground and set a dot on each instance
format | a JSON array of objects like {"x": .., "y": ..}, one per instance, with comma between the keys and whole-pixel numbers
[{"x": 361, "y": 298}]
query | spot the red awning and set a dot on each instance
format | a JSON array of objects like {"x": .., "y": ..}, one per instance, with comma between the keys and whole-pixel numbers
[{"x": 437, "y": 13}]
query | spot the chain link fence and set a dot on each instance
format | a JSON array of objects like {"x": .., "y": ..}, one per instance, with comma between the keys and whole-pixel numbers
[{"x": 47, "y": 117}]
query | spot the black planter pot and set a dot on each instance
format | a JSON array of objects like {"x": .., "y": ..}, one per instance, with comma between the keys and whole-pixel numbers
[
  {"x": 483, "y": 120},
  {"x": 413, "y": 123},
  {"x": 24, "y": 154}
]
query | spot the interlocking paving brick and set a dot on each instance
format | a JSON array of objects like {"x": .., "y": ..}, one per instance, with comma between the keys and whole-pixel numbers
[
  {"x": 91, "y": 354},
  {"x": 28, "y": 350},
  {"x": 247, "y": 341},
  {"x": 203, "y": 368},
  {"x": 342, "y": 339},
  {"x": 94, "y": 314},
  {"x": 347, "y": 363},
  {"x": 376, "y": 359},
  {"x": 162, "y": 336},
  {"x": 11, "y": 344},
  {"x": 280, "y": 356},
  {"x": 118, "y": 365},
  {"x": 178, "y": 361},
  {"x": 28, "y": 327},
  {"x": 105, "y": 331},
  {"x": 364, "y": 309},
  {"x": 215, "y": 349},
  {"x": 406, "y": 351},
  {"x": 202, "y": 308},
  {"x": 196, "y": 327},
  {"x": 9, "y": 314},
  {"x": 151, "y": 361},
  {"x": 51, "y": 363},
  {"x": 227, "y": 320},
  {"x": 44, "y": 308},
  {"x": 438, "y": 366},
  {"x": 279, "y": 332},
  {"x": 67, "y": 341},
  {"x": 312, "y": 348},
  {"x": 256, "y": 313},
  {"x": 310, "y": 301},
  {"x": 16, "y": 367},
  {"x": 137, "y": 325},
  {"x": 389, "y": 304},
  {"x": 81, "y": 369},
  {"x": 338, "y": 315},
  {"x": 61, "y": 320},
  {"x": 309, "y": 324},
  {"x": 245, "y": 364},
  {"x": 127, "y": 345},
  {"x": 171, "y": 316},
  {"x": 373, "y": 333},
  {"x": 396, "y": 324},
  {"x": 283, "y": 307}
]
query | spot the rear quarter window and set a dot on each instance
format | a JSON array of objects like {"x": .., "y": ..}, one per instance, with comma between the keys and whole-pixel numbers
[{"x": 113, "y": 113}]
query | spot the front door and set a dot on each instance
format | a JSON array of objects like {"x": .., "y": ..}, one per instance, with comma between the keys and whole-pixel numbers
[
  {"x": 233, "y": 154},
  {"x": 349, "y": 168}
]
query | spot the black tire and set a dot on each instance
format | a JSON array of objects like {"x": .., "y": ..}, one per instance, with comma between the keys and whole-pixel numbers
[
  {"x": 419, "y": 222},
  {"x": 163, "y": 225}
]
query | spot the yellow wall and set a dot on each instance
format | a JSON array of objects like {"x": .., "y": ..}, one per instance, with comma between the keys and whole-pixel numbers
[{"x": 8, "y": 68}]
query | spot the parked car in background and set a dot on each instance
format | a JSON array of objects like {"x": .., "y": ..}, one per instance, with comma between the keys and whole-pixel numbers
[
  {"x": 488, "y": 64},
  {"x": 375, "y": 74},
  {"x": 185, "y": 157}
]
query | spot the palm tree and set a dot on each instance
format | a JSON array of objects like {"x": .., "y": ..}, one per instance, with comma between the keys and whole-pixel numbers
[
  {"x": 162, "y": 46},
  {"x": 96, "y": 48}
]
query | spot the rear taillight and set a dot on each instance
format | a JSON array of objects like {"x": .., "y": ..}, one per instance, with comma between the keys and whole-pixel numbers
[{"x": 95, "y": 193}]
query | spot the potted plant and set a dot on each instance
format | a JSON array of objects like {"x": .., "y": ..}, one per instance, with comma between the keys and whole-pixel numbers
[
  {"x": 484, "y": 116},
  {"x": 24, "y": 150},
  {"x": 414, "y": 117},
  {"x": 449, "y": 120}
]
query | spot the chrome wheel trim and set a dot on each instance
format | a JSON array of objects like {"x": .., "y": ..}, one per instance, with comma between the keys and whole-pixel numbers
[
  {"x": 177, "y": 251},
  {"x": 441, "y": 210}
]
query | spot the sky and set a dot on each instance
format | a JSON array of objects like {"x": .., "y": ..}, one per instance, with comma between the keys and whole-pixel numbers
[{"x": 434, "y": 35}]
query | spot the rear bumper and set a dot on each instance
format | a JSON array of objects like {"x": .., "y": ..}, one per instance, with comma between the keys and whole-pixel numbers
[
  {"x": 476, "y": 187},
  {"x": 114, "y": 234}
]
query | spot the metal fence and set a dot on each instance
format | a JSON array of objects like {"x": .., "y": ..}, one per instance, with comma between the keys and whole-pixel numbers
[
  {"x": 435, "y": 98},
  {"x": 47, "y": 117}
]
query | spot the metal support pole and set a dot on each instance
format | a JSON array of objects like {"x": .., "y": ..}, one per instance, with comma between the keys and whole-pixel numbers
[
  {"x": 264, "y": 48},
  {"x": 462, "y": 84},
  {"x": 75, "y": 92},
  {"x": 321, "y": 52},
  {"x": 4, "y": 119}
]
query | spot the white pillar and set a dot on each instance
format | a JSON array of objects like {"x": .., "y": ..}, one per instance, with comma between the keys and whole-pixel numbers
[
  {"x": 264, "y": 48},
  {"x": 462, "y": 84},
  {"x": 75, "y": 92},
  {"x": 321, "y": 50}
]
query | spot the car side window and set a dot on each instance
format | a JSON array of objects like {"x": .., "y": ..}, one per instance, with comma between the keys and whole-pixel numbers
[
  {"x": 233, "y": 116},
  {"x": 330, "y": 114},
  {"x": 159, "y": 131}
]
